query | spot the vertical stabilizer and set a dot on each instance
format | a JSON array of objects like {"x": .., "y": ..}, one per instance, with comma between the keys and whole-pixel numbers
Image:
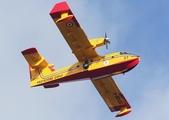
[{"x": 38, "y": 66}]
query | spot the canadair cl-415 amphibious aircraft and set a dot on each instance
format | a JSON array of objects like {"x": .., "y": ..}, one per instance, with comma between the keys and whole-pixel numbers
[{"x": 90, "y": 65}]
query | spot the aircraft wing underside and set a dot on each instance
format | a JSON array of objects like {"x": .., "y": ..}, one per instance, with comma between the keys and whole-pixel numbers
[
  {"x": 111, "y": 94},
  {"x": 72, "y": 32}
]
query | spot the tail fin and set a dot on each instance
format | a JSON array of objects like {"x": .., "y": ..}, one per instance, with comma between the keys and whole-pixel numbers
[
  {"x": 36, "y": 63},
  {"x": 34, "y": 59}
]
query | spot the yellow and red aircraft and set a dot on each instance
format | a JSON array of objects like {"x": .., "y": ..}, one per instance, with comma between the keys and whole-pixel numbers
[{"x": 90, "y": 65}]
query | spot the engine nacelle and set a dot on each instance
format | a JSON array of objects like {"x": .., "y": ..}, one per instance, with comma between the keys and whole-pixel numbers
[{"x": 97, "y": 42}]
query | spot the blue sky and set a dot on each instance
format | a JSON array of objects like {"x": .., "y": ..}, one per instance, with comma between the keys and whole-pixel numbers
[{"x": 139, "y": 27}]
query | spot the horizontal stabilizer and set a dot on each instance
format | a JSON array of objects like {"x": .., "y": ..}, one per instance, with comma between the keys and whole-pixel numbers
[{"x": 34, "y": 59}]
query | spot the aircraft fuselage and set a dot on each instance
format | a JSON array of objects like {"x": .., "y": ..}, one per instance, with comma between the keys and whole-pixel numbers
[{"x": 109, "y": 65}]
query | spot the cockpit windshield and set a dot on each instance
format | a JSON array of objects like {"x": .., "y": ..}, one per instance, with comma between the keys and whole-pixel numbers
[{"x": 123, "y": 53}]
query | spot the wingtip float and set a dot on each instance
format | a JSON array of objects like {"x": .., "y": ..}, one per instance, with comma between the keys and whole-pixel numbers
[
  {"x": 90, "y": 65},
  {"x": 123, "y": 111}
]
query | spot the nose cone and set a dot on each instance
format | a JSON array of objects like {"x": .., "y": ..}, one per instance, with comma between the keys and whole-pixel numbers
[
  {"x": 132, "y": 63},
  {"x": 137, "y": 60}
]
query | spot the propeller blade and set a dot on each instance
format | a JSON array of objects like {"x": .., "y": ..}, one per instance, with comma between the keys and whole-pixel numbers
[
  {"x": 105, "y": 35},
  {"x": 106, "y": 46},
  {"x": 106, "y": 40}
]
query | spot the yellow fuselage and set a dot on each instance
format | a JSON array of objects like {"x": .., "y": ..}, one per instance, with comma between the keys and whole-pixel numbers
[{"x": 111, "y": 64}]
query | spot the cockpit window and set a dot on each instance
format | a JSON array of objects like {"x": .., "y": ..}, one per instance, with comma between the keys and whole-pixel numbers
[{"x": 122, "y": 53}]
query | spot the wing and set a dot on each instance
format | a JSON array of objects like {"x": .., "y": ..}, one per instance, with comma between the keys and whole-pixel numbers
[
  {"x": 34, "y": 59},
  {"x": 72, "y": 32},
  {"x": 112, "y": 95}
]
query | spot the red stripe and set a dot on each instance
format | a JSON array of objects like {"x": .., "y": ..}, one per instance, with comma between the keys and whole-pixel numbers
[
  {"x": 119, "y": 67},
  {"x": 124, "y": 99},
  {"x": 58, "y": 9},
  {"x": 29, "y": 51}
]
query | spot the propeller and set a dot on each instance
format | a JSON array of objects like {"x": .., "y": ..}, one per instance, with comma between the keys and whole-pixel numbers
[{"x": 106, "y": 40}]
